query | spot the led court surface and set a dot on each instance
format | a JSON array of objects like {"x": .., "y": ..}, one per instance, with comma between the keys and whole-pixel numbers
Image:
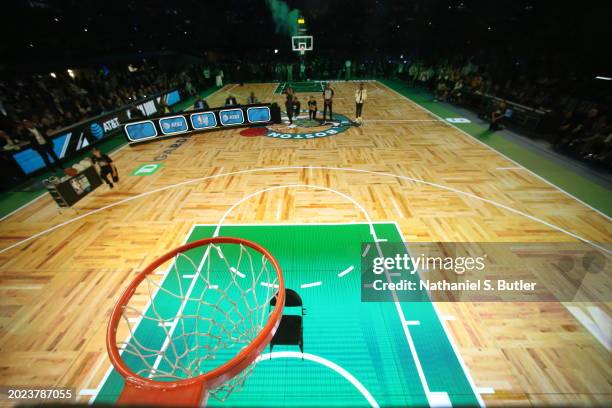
[{"x": 357, "y": 353}]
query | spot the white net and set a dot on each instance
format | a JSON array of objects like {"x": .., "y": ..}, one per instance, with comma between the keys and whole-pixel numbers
[{"x": 210, "y": 303}]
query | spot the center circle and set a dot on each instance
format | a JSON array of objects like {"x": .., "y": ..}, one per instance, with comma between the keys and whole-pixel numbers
[{"x": 305, "y": 128}]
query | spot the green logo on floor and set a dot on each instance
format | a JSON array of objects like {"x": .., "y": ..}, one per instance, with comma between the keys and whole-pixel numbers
[
  {"x": 147, "y": 169},
  {"x": 304, "y": 128}
]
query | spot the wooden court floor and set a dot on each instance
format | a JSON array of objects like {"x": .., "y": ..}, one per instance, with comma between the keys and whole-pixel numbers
[{"x": 57, "y": 288}]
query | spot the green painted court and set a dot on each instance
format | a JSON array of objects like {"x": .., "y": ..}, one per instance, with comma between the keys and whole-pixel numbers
[
  {"x": 310, "y": 86},
  {"x": 356, "y": 353}
]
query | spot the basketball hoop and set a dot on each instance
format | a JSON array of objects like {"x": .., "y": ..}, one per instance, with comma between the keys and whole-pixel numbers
[
  {"x": 216, "y": 294},
  {"x": 302, "y": 43}
]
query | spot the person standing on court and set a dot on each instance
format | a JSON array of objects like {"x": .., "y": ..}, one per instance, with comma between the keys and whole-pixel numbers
[
  {"x": 328, "y": 97},
  {"x": 231, "y": 101},
  {"x": 360, "y": 97},
  {"x": 105, "y": 166},
  {"x": 200, "y": 103},
  {"x": 252, "y": 99},
  {"x": 297, "y": 106},
  {"x": 312, "y": 108},
  {"x": 289, "y": 105}
]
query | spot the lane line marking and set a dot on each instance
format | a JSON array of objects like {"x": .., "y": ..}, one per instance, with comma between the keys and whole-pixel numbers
[
  {"x": 432, "y": 398},
  {"x": 324, "y": 362},
  {"x": 88, "y": 391},
  {"x": 346, "y": 271},
  {"x": 449, "y": 337},
  {"x": 439, "y": 400},
  {"x": 310, "y": 285},
  {"x": 174, "y": 323}
]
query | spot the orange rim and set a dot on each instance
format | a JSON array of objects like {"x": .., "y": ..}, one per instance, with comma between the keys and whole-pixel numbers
[{"x": 224, "y": 372}]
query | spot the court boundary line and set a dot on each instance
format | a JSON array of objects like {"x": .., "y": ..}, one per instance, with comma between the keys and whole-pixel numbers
[
  {"x": 326, "y": 363},
  {"x": 42, "y": 194},
  {"x": 329, "y": 168},
  {"x": 496, "y": 151}
]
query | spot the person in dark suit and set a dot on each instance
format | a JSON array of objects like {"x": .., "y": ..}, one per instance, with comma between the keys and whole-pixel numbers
[
  {"x": 200, "y": 103},
  {"x": 252, "y": 99},
  {"x": 231, "y": 101},
  {"x": 289, "y": 107},
  {"x": 328, "y": 98},
  {"x": 105, "y": 166},
  {"x": 136, "y": 113},
  {"x": 312, "y": 108},
  {"x": 42, "y": 144},
  {"x": 296, "y": 106},
  {"x": 497, "y": 117}
]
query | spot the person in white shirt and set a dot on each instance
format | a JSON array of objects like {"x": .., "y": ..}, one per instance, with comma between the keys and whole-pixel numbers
[
  {"x": 219, "y": 78},
  {"x": 360, "y": 96}
]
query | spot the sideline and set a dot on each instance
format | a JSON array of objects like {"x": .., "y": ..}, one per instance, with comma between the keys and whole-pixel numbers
[
  {"x": 329, "y": 168},
  {"x": 18, "y": 206},
  {"x": 573, "y": 185}
]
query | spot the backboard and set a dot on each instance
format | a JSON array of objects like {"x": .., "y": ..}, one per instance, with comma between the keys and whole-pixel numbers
[{"x": 302, "y": 43}]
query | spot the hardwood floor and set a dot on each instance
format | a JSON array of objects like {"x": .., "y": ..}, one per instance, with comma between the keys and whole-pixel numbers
[{"x": 57, "y": 289}]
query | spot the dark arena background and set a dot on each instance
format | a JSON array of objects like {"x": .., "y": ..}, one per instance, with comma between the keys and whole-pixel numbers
[{"x": 305, "y": 203}]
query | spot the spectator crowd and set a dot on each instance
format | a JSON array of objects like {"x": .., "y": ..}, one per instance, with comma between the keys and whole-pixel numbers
[
  {"x": 564, "y": 111},
  {"x": 572, "y": 122},
  {"x": 57, "y": 100}
]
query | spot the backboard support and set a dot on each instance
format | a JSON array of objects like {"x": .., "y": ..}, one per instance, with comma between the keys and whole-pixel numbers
[{"x": 302, "y": 43}]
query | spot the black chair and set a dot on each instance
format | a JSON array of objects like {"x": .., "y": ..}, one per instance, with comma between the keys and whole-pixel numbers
[{"x": 290, "y": 330}]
